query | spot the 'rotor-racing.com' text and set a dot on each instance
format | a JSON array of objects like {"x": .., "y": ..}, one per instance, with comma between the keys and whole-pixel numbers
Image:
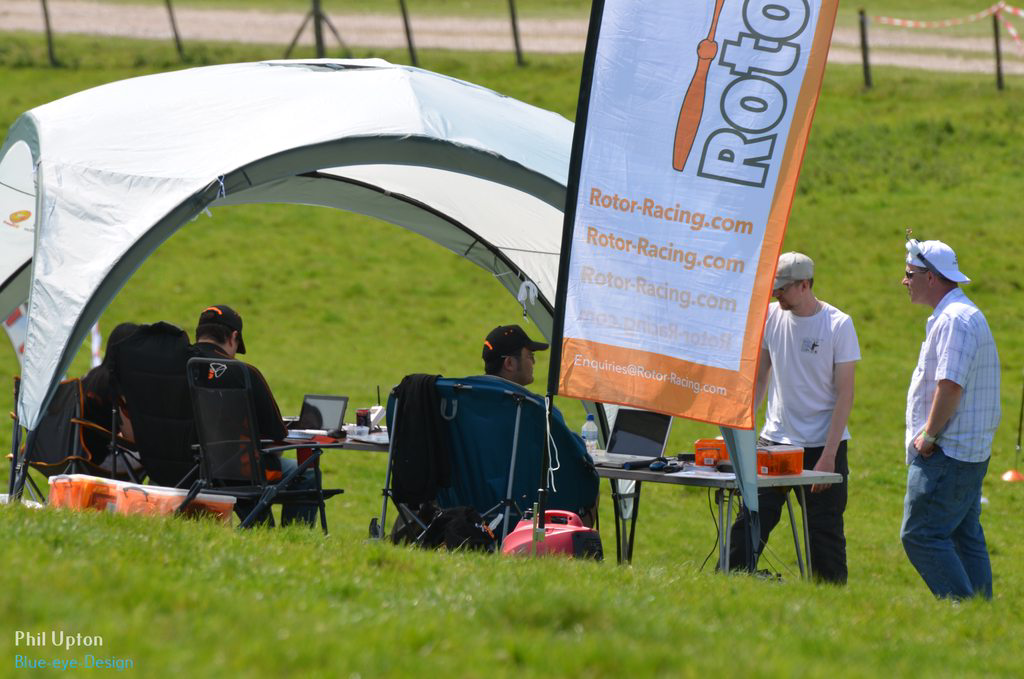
[{"x": 663, "y": 291}]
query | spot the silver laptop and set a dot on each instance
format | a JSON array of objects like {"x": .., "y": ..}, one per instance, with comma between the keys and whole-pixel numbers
[
  {"x": 321, "y": 411},
  {"x": 639, "y": 432}
]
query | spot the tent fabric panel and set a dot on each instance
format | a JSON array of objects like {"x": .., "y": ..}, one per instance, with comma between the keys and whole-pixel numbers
[
  {"x": 498, "y": 214},
  {"x": 18, "y": 216},
  {"x": 145, "y": 126},
  {"x": 74, "y": 278},
  {"x": 14, "y": 291},
  {"x": 524, "y": 230},
  {"x": 389, "y": 206}
]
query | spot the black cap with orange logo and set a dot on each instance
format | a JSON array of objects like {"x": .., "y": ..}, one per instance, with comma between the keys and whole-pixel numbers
[
  {"x": 222, "y": 314},
  {"x": 508, "y": 340}
]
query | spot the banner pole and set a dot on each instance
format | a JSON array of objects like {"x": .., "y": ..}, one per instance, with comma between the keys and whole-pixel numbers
[
  {"x": 540, "y": 506},
  {"x": 571, "y": 191}
]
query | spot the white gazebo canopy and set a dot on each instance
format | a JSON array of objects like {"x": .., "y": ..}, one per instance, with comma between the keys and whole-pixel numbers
[{"x": 119, "y": 168}]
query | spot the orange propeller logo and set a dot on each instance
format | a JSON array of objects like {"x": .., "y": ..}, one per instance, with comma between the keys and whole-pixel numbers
[
  {"x": 692, "y": 109},
  {"x": 17, "y": 217}
]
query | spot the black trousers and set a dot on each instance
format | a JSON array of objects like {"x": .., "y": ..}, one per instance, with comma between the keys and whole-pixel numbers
[{"x": 824, "y": 512}]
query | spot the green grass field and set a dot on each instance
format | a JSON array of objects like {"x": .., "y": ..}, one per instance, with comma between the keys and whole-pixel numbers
[{"x": 936, "y": 152}]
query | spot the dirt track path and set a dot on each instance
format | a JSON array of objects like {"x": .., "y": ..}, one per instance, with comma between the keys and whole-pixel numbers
[{"x": 906, "y": 48}]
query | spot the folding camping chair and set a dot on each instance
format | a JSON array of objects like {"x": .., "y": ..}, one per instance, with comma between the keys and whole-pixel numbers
[
  {"x": 494, "y": 432},
  {"x": 148, "y": 374},
  {"x": 231, "y": 453},
  {"x": 59, "y": 444}
]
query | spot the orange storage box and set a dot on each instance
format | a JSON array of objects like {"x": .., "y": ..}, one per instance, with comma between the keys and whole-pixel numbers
[
  {"x": 81, "y": 491},
  {"x": 159, "y": 500},
  {"x": 709, "y": 452},
  {"x": 780, "y": 460}
]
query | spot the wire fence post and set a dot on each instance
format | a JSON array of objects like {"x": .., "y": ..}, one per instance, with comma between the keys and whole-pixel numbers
[
  {"x": 864, "y": 48},
  {"x": 318, "y": 29},
  {"x": 174, "y": 30},
  {"x": 999, "y": 56},
  {"x": 515, "y": 33},
  {"x": 408, "y": 33},
  {"x": 49, "y": 35}
]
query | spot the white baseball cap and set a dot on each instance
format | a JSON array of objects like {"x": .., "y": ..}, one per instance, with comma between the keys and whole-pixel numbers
[
  {"x": 793, "y": 266},
  {"x": 937, "y": 256}
]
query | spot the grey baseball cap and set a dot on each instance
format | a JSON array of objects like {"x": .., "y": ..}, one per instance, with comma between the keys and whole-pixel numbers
[{"x": 793, "y": 266}]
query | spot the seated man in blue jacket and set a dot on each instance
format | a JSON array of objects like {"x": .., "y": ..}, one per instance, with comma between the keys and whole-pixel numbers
[{"x": 508, "y": 354}]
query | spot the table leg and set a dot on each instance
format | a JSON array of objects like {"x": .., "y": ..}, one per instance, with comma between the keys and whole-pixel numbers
[
  {"x": 807, "y": 532},
  {"x": 625, "y": 528},
  {"x": 723, "y": 549},
  {"x": 796, "y": 538}
]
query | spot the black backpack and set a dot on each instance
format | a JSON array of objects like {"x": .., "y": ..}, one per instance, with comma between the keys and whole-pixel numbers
[{"x": 454, "y": 528}]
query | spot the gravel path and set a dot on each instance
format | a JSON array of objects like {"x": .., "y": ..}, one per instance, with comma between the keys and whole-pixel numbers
[{"x": 906, "y": 48}]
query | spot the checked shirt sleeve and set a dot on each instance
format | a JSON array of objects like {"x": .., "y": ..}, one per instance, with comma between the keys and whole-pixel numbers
[{"x": 955, "y": 347}]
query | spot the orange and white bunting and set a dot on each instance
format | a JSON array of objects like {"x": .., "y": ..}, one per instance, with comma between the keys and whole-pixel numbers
[
  {"x": 943, "y": 23},
  {"x": 999, "y": 10}
]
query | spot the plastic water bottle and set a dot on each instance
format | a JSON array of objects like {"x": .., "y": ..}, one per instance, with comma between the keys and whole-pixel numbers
[{"x": 589, "y": 433}]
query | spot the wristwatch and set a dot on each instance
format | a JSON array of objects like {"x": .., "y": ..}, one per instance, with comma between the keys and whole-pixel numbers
[{"x": 928, "y": 438}]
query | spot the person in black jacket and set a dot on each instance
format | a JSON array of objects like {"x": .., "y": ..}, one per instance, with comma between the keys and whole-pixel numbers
[
  {"x": 219, "y": 335},
  {"x": 98, "y": 408}
]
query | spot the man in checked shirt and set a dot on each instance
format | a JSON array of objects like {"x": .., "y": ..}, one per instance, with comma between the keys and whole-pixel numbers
[{"x": 952, "y": 414}]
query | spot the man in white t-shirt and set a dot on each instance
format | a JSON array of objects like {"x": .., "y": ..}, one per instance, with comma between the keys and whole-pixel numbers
[{"x": 808, "y": 356}]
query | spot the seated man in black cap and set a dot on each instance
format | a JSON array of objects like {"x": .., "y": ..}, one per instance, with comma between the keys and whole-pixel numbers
[
  {"x": 219, "y": 335},
  {"x": 508, "y": 353}
]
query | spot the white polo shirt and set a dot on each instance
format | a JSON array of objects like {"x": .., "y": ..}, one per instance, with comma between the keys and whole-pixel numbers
[
  {"x": 958, "y": 346},
  {"x": 804, "y": 352}
]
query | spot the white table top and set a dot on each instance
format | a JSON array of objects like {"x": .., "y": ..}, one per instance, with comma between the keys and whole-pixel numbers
[{"x": 705, "y": 478}]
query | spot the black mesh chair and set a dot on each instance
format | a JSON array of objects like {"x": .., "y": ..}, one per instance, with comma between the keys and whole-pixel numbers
[
  {"x": 59, "y": 444},
  {"x": 148, "y": 374},
  {"x": 231, "y": 453}
]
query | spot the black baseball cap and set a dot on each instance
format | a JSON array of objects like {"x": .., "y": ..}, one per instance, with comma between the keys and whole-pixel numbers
[
  {"x": 508, "y": 340},
  {"x": 222, "y": 314}
]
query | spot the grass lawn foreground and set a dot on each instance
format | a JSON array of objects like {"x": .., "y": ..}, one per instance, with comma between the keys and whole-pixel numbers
[{"x": 335, "y": 302}]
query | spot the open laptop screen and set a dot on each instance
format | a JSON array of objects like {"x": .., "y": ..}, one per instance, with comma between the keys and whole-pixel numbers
[
  {"x": 320, "y": 411},
  {"x": 639, "y": 432}
]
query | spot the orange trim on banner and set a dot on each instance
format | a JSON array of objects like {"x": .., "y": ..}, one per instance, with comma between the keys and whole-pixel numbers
[{"x": 610, "y": 374}]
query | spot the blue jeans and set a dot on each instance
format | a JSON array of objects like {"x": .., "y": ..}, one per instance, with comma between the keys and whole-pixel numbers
[
  {"x": 941, "y": 531},
  {"x": 303, "y": 512}
]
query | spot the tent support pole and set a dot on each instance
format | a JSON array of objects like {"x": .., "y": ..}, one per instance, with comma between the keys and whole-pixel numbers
[
  {"x": 15, "y": 435},
  {"x": 20, "y": 466}
]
